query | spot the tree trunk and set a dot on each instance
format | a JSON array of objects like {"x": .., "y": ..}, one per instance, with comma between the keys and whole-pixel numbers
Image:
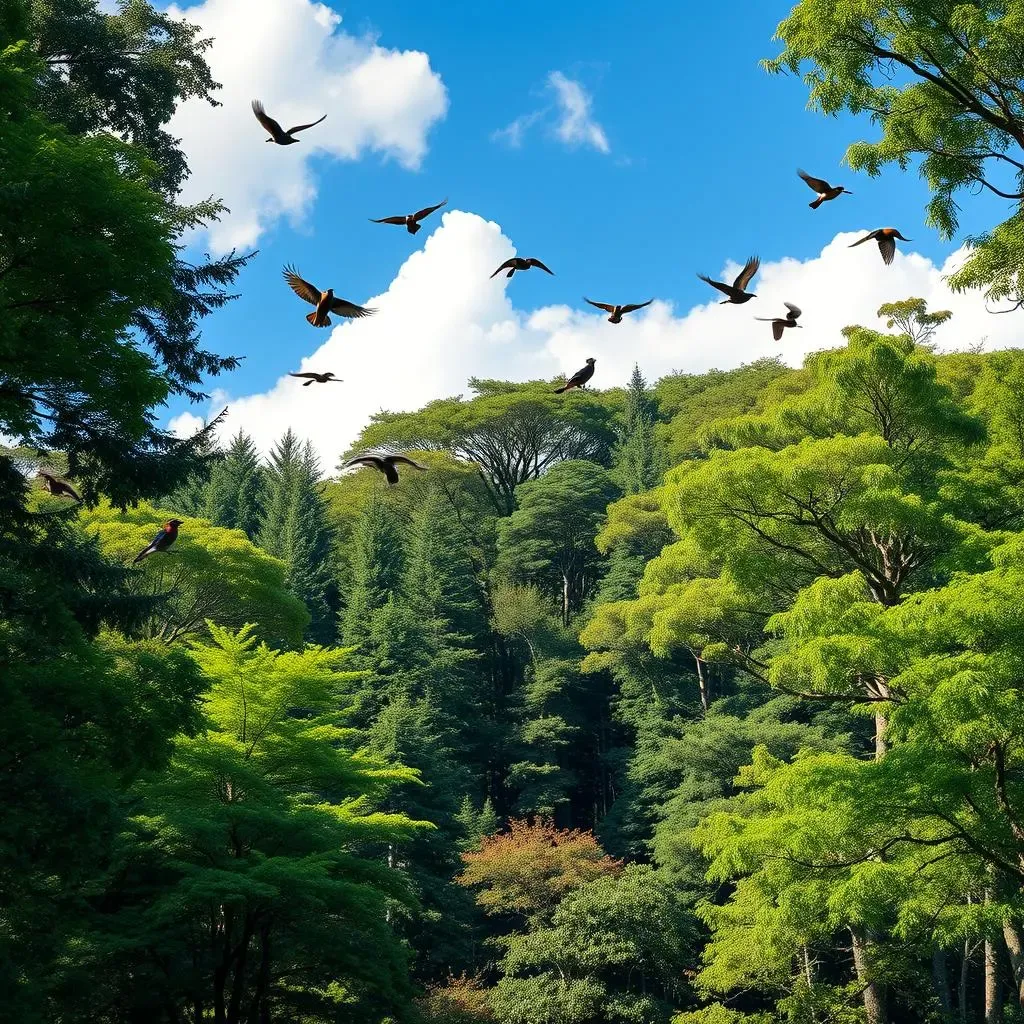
[
  {"x": 565, "y": 600},
  {"x": 1015, "y": 948},
  {"x": 238, "y": 986},
  {"x": 702, "y": 681},
  {"x": 993, "y": 1004},
  {"x": 940, "y": 979},
  {"x": 881, "y": 746},
  {"x": 965, "y": 977},
  {"x": 874, "y": 999},
  {"x": 259, "y": 1011}
]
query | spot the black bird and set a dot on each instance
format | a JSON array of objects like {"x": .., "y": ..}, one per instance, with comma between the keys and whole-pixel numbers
[
  {"x": 736, "y": 291},
  {"x": 59, "y": 488},
  {"x": 886, "y": 238},
  {"x": 384, "y": 463},
  {"x": 578, "y": 379},
  {"x": 617, "y": 312},
  {"x": 779, "y": 324},
  {"x": 317, "y": 378},
  {"x": 411, "y": 220},
  {"x": 277, "y": 133},
  {"x": 162, "y": 541},
  {"x": 518, "y": 263},
  {"x": 823, "y": 188}
]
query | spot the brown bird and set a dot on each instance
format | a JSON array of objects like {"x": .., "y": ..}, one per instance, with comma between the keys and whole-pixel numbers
[
  {"x": 325, "y": 302},
  {"x": 886, "y": 238},
  {"x": 384, "y": 463},
  {"x": 736, "y": 291},
  {"x": 411, "y": 220},
  {"x": 779, "y": 324},
  {"x": 617, "y": 312},
  {"x": 518, "y": 263},
  {"x": 579, "y": 378},
  {"x": 277, "y": 133},
  {"x": 823, "y": 188},
  {"x": 56, "y": 486},
  {"x": 318, "y": 378}
]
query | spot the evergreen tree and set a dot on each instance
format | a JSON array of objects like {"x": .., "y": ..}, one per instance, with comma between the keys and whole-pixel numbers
[
  {"x": 375, "y": 568},
  {"x": 234, "y": 495},
  {"x": 636, "y": 466}
]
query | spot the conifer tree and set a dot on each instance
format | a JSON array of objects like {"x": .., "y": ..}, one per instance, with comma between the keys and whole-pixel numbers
[
  {"x": 636, "y": 458},
  {"x": 375, "y": 568},
  {"x": 234, "y": 495}
]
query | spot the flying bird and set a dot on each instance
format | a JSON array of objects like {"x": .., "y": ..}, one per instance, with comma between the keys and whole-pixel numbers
[
  {"x": 886, "y": 238},
  {"x": 823, "y": 188},
  {"x": 736, "y": 291},
  {"x": 59, "y": 488},
  {"x": 518, "y": 263},
  {"x": 578, "y": 379},
  {"x": 325, "y": 302},
  {"x": 411, "y": 220},
  {"x": 318, "y": 378},
  {"x": 162, "y": 541},
  {"x": 617, "y": 312},
  {"x": 384, "y": 463},
  {"x": 779, "y": 324},
  {"x": 277, "y": 133}
]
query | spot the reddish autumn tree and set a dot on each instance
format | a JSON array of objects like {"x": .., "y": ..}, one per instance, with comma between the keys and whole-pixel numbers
[{"x": 461, "y": 1000}]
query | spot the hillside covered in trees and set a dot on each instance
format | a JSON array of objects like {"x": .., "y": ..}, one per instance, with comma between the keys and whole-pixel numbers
[{"x": 688, "y": 701}]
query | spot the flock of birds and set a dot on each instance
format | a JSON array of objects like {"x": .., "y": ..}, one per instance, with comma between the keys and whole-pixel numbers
[{"x": 325, "y": 302}]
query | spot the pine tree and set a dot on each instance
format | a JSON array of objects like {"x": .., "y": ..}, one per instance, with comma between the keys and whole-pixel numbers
[
  {"x": 636, "y": 458},
  {"x": 234, "y": 495}
]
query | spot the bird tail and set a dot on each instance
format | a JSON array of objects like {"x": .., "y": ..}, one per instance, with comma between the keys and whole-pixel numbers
[
  {"x": 311, "y": 317},
  {"x": 141, "y": 555},
  {"x": 817, "y": 202},
  {"x": 559, "y": 391},
  {"x": 413, "y": 227},
  {"x": 511, "y": 272}
]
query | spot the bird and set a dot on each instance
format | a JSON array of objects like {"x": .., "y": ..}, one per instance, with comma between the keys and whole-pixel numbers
[
  {"x": 736, "y": 291},
  {"x": 779, "y": 324},
  {"x": 518, "y": 263},
  {"x": 384, "y": 463},
  {"x": 325, "y": 302},
  {"x": 59, "y": 488},
  {"x": 318, "y": 378},
  {"x": 823, "y": 188},
  {"x": 411, "y": 220},
  {"x": 886, "y": 238},
  {"x": 277, "y": 133},
  {"x": 579, "y": 378},
  {"x": 617, "y": 312},
  {"x": 162, "y": 541}
]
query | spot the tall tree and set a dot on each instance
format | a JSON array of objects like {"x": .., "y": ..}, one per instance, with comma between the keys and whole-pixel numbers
[
  {"x": 636, "y": 457},
  {"x": 234, "y": 495}
]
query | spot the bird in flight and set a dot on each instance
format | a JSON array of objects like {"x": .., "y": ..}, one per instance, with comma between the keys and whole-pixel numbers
[
  {"x": 411, "y": 220},
  {"x": 579, "y": 378},
  {"x": 317, "y": 378},
  {"x": 617, "y": 312},
  {"x": 59, "y": 488},
  {"x": 823, "y": 188},
  {"x": 277, "y": 133},
  {"x": 518, "y": 263},
  {"x": 736, "y": 291},
  {"x": 779, "y": 324},
  {"x": 325, "y": 302},
  {"x": 162, "y": 541},
  {"x": 886, "y": 238},
  {"x": 384, "y": 463}
]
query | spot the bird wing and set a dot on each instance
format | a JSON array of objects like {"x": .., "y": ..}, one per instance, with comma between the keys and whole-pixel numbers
[
  {"x": 407, "y": 461},
  {"x": 747, "y": 273},
  {"x": 818, "y": 184},
  {"x": 428, "y": 210},
  {"x": 366, "y": 460},
  {"x": 794, "y": 311},
  {"x": 635, "y": 306},
  {"x": 861, "y": 241},
  {"x": 887, "y": 247},
  {"x": 311, "y": 376},
  {"x": 302, "y": 288},
  {"x": 388, "y": 220},
  {"x": 158, "y": 538},
  {"x": 303, "y": 127},
  {"x": 537, "y": 263},
  {"x": 266, "y": 120},
  {"x": 505, "y": 266},
  {"x": 345, "y": 308},
  {"x": 600, "y": 305},
  {"x": 777, "y": 328},
  {"x": 725, "y": 289}
]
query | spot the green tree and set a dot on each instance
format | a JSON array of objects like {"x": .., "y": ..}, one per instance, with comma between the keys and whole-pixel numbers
[
  {"x": 234, "y": 495},
  {"x": 637, "y": 460}
]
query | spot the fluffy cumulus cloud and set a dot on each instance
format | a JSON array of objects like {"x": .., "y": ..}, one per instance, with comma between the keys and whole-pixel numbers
[
  {"x": 416, "y": 349},
  {"x": 293, "y": 55},
  {"x": 569, "y": 118}
]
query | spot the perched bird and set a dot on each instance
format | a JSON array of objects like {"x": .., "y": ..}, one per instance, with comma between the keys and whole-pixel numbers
[
  {"x": 823, "y": 188},
  {"x": 779, "y": 324},
  {"x": 578, "y": 379},
  {"x": 518, "y": 263},
  {"x": 384, "y": 463},
  {"x": 411, "y": 220},
  {"x": 57, "y": 487},
  {"x": 617, "y": 312},
  {"x": 325, "y": 302},
  {"x": 162, "y": 541},
  {"x": 886, "y": 238},
  {"x": 318, "y": 378},
  {"x": 736, "y": 290},
  {"x": 277, "y": 133}
]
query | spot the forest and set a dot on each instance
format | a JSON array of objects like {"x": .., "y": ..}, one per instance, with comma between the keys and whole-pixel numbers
[{"x": 694, "y": 700}]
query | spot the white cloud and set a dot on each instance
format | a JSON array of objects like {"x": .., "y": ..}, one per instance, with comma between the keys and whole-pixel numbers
[
  {"x": 513, "y": 133},
  {"x": 443, "y": 320},
  {"x": 291, "y": 55},
  {"x": 573, "y": 125}
]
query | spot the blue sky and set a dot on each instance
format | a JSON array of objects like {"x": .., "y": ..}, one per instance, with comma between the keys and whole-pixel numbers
[{"x": 702, "y": 147}]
